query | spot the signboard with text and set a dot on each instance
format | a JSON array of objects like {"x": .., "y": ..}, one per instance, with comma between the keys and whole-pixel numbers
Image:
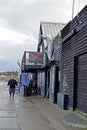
[
  {"x": 24, "y": 79},
  {"x": 34, "y": 58}
]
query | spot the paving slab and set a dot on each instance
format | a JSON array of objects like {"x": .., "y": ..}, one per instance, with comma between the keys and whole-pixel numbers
[
  {"x": 10, "y": 128},
  {"x": 8, "y": 114},
  {"x": 32, "y": 113},
  {"x": 9, "y": 123},
  {"x": 4, "y": 106},
  {"x": 73, "y": 119}
]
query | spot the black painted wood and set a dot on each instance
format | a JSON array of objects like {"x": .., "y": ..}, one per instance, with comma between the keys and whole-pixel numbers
[{"x": 73, "y": 81}]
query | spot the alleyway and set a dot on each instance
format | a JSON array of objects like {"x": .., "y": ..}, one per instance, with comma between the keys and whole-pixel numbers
[{"x": 29, "y": 113}]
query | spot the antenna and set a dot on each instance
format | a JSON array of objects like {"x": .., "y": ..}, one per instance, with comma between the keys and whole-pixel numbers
[
  {"x": 78, "y": 7},
  {"x": 78, "y": 21},
  {"x": 73, "y": 8}
]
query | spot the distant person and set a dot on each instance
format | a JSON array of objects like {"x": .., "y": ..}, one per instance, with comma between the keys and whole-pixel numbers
[
  {"x": 30, "y": 86},
  {"x": 34, "y": 88},
  {"x": 12, "y": 83}
]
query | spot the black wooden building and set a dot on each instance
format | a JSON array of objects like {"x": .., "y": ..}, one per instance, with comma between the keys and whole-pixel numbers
[{"x": 74, "y": 62}]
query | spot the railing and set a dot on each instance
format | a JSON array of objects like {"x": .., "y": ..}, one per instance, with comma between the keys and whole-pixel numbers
[{"x": 33, "y": 60}]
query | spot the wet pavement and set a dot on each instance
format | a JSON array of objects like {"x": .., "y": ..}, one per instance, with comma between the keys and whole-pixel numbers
[
  {"x": 31, "y": 113},
  {"x": 75, "y": 120}
]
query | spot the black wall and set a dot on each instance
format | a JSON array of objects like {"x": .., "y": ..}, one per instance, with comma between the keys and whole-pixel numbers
[{"x": 74, "y": 45}]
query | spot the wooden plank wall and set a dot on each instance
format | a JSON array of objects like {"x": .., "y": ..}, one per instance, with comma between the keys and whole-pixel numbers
[{"x": 72, "y": 47}]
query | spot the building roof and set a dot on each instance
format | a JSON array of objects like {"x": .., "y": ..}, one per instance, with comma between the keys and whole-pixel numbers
[{"x": 51, "y": 29}]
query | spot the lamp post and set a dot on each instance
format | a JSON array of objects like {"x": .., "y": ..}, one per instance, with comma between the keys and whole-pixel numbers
[
  {"x": 19, "y": 70},
  {"x": 49, "y": 41},
  {"x": 73, "y": 8}
]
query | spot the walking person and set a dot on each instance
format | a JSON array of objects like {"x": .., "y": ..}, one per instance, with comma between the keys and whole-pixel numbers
[{"x": 12, "y": 83}]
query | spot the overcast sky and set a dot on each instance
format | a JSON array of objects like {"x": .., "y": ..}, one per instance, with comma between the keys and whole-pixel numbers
[{"x": 20, "y": 21}]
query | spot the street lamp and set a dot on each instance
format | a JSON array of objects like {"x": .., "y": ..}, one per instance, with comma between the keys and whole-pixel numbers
[
  {"x": 49, "y": 41},
  {"x": 19, "y": 70},
  {"x": 47, "y": 37},
  {"x": 73, "y": 8}
]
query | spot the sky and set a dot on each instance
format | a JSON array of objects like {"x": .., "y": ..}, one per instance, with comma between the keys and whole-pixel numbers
[{"x": 20, "y": 22}]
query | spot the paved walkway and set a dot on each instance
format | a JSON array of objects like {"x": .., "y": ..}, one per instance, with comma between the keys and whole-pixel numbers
[
  {"x": 60, "y": 119},
  {"x": 75, "y": 120},
  {"x": 33, "y": 113}
]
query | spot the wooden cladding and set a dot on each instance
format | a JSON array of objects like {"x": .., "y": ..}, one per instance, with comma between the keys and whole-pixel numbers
[
  {"x": 74, "y": 62},
  {"x": 82, "y": 83}
]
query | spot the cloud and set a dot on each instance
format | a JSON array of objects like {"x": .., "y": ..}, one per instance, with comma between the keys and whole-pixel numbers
[
  {"x": 12, "y": 51},
  {"x": 25, "y": 16},
  {"x": 1, "y": 57},
  {"x": 6, "y": 34},
  {"x": 12, "y": 37},
  {"x": 20, "y": 22},
  {"x": 7, "y": 66},
  {"x": 13, "y": 45}
]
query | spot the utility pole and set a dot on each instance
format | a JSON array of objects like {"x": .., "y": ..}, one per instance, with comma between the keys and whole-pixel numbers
[
  {"x": 73, "y": 8},
  {"x": 19, "y": 69}
]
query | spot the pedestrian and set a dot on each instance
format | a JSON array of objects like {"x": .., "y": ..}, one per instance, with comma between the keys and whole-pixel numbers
[
  {"x": 30, "y": 86},
  {"x": 12, "y": 83},
  {"x": 34, "y": 88}
]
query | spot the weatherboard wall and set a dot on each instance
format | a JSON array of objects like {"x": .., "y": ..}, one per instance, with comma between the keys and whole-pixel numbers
[{"x": 73, "y": 46}]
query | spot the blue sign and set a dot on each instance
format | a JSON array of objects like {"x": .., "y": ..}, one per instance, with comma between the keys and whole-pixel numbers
[{"x": 24, "y": 79}]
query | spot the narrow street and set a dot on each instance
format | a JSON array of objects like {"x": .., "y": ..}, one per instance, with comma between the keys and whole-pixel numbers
[{"x": 29, "y": 113}]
